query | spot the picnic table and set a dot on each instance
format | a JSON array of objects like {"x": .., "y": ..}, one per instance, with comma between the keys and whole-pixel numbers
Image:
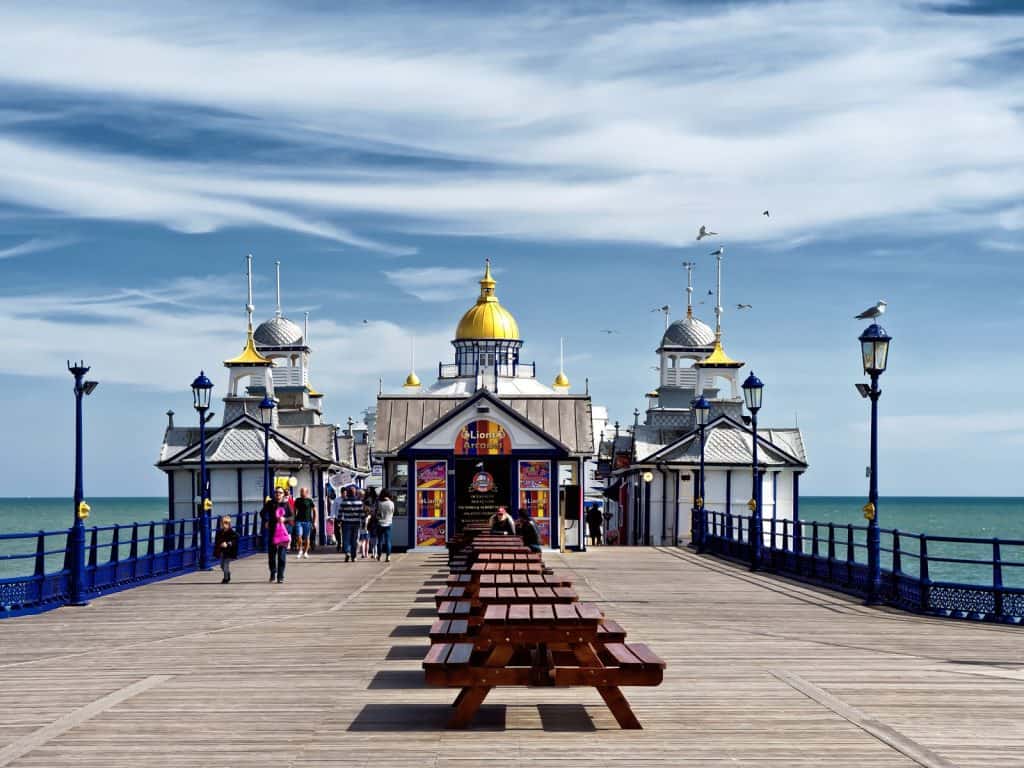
[
  {"x": 544, "y": 644},
  {"x": 514, "y": 557}
]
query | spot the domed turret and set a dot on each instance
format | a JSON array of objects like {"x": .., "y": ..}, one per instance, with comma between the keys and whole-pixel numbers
[
  {"x": 487, "y": 319},
  {"x": 278, "y": 331},
  {"x": 688, "y": 332}
]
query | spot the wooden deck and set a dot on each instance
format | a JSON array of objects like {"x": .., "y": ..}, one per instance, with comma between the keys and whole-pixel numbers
[{"x": 324, "y": 670}]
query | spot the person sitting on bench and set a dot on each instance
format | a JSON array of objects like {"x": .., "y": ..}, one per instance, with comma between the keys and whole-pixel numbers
[
  {"x": 502, "y": 523},
  {"x": 528, "y": 531}
]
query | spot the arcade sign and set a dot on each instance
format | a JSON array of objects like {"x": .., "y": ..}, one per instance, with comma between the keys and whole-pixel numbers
[{"x": 483, "y": 437}]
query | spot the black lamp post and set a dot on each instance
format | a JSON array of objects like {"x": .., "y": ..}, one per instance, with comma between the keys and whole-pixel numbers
[
  {"x": 752, "y": 390},
  {"x": 701, "y": 411},
  {"x": 76, "y": 566},
  {"x": 267, "y": 406},
  {"x": 202, "y": 387},
  {"x": 874, "y": 346}
]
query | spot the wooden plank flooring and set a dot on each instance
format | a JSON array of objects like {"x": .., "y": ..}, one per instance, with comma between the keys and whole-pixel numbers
[{"x": 324, "y": 670}]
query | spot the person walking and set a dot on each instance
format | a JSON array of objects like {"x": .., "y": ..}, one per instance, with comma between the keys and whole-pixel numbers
[
  {"x": 528, "y": 530},
  {"x": 385, "y": 516},
  {"x": 370, "y": 508},
  {"x": 350, "y": 512},
  {"x": 305, "y": 522},
  {"x": 275, "y": 516},
  {"x": 594, "y": 524},
  {"x": 225, "y": 546}
]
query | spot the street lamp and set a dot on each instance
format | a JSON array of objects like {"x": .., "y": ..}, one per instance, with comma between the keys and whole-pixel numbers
[
  {"x": 752, "y": 390},
  {"x": 201, "y": 390},
  {"x": 267, "y": 406},
  {"x": 77, "y": 565},
  {"x": 874, "y": 347},
  {"x": 701, "y": 410}
]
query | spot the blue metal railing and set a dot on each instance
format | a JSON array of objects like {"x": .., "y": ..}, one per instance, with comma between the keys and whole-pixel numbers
[
  {"x": 35, "y": 568},
  {"x": 955, "y": 576}
]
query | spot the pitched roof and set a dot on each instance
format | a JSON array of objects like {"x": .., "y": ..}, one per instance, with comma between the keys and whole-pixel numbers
[
  {"x": 564, "y": 419},
  {"x": 239, "y": 442},
  {"x": 729, "y": 442}
]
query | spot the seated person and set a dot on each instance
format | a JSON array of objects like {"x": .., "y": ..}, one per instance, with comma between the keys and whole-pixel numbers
[
  {"x": 528, "y": 530},
  {"x": 502, "y": 523}
]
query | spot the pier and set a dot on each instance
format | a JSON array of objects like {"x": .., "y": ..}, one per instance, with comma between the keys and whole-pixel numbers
[{"x": 325, "y": 670}]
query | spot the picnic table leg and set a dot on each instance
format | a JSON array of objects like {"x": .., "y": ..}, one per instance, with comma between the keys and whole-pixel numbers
[
  {"x": 471, "y": 699},
  {"x": 619, "y": 707},
  {"x": 611, "y": 694}
]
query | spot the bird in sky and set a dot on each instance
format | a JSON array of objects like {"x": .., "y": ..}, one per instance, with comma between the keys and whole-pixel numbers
[
  {"x": 704, "y": 232},
  {"x": 872, "y": 312},
  {"x": 765, "y": 213},
  {"x": 717, "y": 252},
  {"x": 660, "y": 309},
  {"x": 711, "y": 293},
  {"x": 366, "y": 322},
  {"x": 609, "y": 331},
  {"x": 744, "y": 306}
]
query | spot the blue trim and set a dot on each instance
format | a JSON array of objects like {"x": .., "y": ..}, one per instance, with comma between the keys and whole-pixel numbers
[{"x": 728, "y": 492}]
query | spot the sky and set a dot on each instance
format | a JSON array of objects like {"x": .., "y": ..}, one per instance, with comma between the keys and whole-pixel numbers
[{"x": 381, "y": 153}]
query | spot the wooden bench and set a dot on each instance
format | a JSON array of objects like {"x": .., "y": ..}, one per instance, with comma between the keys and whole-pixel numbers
[
  {"x": 487, "y": 595},
  {"x": 539, "y": 645}
]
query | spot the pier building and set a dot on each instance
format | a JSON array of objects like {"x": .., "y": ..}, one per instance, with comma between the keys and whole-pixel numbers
[
  {"x": 304, "y": 451},
  {"x": 655, "y": 464},
  {"x": 486, "y": 433}
]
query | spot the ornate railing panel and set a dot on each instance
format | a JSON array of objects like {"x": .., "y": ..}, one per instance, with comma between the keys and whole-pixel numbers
[
  {"x": 35, "y": 572},
  {"x": 917, "y": 569}
]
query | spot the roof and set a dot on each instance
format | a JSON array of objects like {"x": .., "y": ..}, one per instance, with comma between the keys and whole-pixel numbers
[
  {"x": 278, "y": 332},
  {"x": 688, "y": 332},
  {"x": 241, "y": 442},
  {"x": 249, "y": 355},
  {"x": 565, "y": 419},
  {"x": 731, "y": 443},
  {"x": 718, "y": 359}
]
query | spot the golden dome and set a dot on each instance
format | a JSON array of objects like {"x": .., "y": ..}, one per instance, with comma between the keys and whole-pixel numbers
[
  {"x": 412, "y": 380},
  {"x": 487, "y": 319},
  {"x": 561, "y": 380}
]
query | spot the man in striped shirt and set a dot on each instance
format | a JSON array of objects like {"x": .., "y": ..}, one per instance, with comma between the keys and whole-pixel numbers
[{"x": 350, "y": 514}]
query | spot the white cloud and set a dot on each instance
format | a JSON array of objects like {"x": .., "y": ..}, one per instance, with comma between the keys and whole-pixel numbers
[
  {"x": 34, "y": 245},
  {"x": 594, "y": 125},
  {"x": 434, "y": 283},
  {"x": 150, "y": 337}
]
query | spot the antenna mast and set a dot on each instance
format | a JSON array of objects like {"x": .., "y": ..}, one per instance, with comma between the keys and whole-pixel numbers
[
  {"x": 249, "y": 308},
  {"x": 689, "y": 287},
  {"x": 277, "y": 265}
]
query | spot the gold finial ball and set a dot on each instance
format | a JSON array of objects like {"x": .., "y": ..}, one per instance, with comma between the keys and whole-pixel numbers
[{"x": 561, "y": 380}]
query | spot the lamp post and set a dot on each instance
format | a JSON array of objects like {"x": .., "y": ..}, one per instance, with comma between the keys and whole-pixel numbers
[
  {"x": 701, "y": 410},
  {"x": 201, "y": 389},
  {"x": 752, "y": 390},
  {"x": 267, "y": 406},
  {"x": 874, "y": 346},
  {"x": 76, "y": 545}
]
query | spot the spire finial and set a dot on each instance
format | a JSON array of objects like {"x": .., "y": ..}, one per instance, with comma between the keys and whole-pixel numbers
[
  {"x": 689, "y": 287},
  {"x": 487, "y": 284},
  {"x": 718, "y": 293},
  {"x": 561, "y": 380},
  {"x": 249, "y": 308},
  {"x": 277, "y": 267}
]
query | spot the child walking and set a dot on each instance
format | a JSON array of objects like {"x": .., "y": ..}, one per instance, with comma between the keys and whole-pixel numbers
[{"x": 225, "y": 546}]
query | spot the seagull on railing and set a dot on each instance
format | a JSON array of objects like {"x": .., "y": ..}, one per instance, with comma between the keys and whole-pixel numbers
[
  {"x": 872, "y": 313},
  {"x": 704, "y": 232},
  {"x": 717, "y": 252}
]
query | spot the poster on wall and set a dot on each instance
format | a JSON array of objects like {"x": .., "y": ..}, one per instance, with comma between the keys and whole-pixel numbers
[
  {"x": 430, "y": 533},
  {"x": 482, "y": 484},
  {"x": 535, "y": 495},
  {"x": 431, "y": 474},
  {"x": 431, "y": 503},
  {"x": 483, "y": 438}
]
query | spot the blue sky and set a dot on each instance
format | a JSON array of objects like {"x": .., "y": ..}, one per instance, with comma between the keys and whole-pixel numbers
[{"x": 382, "y": 153}]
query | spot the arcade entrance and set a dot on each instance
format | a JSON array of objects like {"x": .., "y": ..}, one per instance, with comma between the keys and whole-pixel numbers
[{"x": 482, "y": 484}]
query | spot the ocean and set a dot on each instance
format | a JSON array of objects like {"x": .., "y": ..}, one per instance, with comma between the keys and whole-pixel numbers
[{"x": 937, "y": 516}]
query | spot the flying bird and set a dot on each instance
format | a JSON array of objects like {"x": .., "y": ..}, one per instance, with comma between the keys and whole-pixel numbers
[
  {"x": 366, "y": 322},
  {"x": 608, "y": 331},
  {"x": 765, "y": 213},
  {"x": 744, "y": 306},
  {"x": 717, "y": 252},
  {"x": 711, "y": 293},
  {"x": 660, "y": 309},
  {"x": 704, "y": 232},
  {"x": 872, "y": 312}
]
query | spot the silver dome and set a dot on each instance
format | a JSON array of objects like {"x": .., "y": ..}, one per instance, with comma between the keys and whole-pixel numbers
[
  {"x": 688, "y": 332},
  {"x": 278, "y": 332}
]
